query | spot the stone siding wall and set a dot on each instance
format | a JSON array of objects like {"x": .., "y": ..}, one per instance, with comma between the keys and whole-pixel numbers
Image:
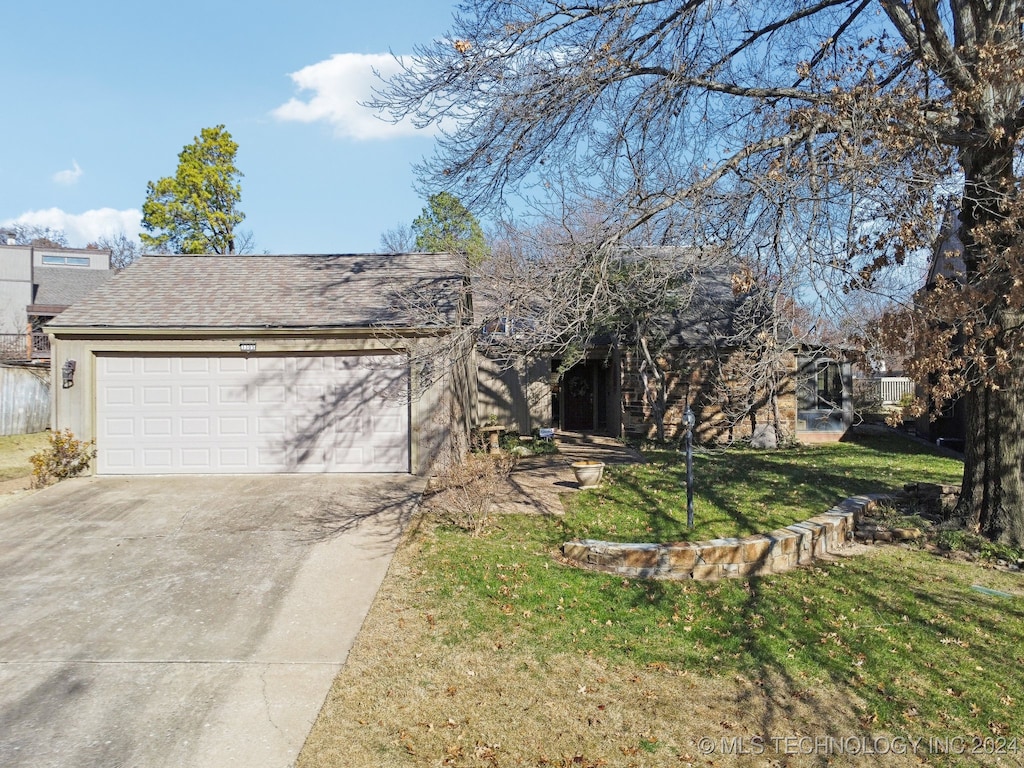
[{"x": 716, "y": 391}]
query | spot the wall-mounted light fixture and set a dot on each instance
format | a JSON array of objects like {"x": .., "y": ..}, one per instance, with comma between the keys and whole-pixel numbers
[
  {"x": 247, "y": 347},
  {"x": 67, "y": 374}
]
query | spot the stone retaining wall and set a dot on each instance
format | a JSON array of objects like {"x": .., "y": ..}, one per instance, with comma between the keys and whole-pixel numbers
[
  {"x": 932, "y": 498},
  {"x": 774, "y": 552}
]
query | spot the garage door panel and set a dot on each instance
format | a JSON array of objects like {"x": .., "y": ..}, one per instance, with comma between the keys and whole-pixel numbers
[
  {"x": 118, "y": 366},
  {"x": 120, "y": 427},
  {"x": 224, "y": 365},
  {"x": 349, "y": 457},
  {"x": 195, "y": 426},
  {"x": 114, "y": 395},
  {"x": 252, "y": 414},
  {"x": 347, "y": 426},
  {"x": 156, "y": 395},
  {"x": 233, "y": 425},
  {"x": 157, "y": 458},
  {"x": 195, "y": 394},
  {"x": 157, "y": 365},
  {"x": 274, "y": 426},
  {"x": 156, "y": 427},
  {"x": 271, "y": 394},
  {"x": 391, "y": 423},
  {"x": 194, "y": 365},
  {"x": 198, "y": 458},
  {"x": 123, "y": 459},
  {"x": 264, "y": 364},
  {"x": 270, "y": 456},
  {"x": 232, "y": 395},
  {"x": 313, "y": 394},
  {"x": 232, "y": 460}
]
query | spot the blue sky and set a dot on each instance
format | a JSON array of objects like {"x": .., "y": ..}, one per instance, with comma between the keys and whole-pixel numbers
[{"x": 100, "y": 98}]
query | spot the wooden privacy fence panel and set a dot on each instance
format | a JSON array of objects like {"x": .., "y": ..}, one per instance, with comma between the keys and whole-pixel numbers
[{"x": 24, "y": 400}]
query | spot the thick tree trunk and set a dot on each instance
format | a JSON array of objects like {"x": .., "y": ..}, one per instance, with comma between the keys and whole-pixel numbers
[{"x": 992, "y": 497}]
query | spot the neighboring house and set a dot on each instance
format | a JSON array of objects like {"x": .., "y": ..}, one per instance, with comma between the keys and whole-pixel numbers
[
  {"x": 259, "y": 364},
  {"x": 36, "y": 285},
  {"x": 607, "y": 392}
]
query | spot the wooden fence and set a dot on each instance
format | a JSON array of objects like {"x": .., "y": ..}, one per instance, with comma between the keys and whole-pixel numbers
[
  {"x": 894, "y": 388},
  {"x": 887, "y": 391},
  {"x": 24, "y": 400}
]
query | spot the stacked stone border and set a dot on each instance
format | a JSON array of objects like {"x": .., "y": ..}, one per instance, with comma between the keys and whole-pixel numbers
[{"x": 774, "y": 552}]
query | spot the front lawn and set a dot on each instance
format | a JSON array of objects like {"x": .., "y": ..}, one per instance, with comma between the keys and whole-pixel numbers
[
  {"x": 486, "y": 651},
  {"x": 15, "y": 451},
  {"x": 741, "y": 492}
]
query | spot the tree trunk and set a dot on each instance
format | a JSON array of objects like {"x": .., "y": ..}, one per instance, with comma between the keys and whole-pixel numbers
[{"x": 992, "y": 497}]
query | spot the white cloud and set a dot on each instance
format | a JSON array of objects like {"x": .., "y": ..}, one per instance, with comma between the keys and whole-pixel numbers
[
  {"x": 338, "y": 87},
  {"x": 83, "y": 228},
  {"x": 70, "y": 176}
]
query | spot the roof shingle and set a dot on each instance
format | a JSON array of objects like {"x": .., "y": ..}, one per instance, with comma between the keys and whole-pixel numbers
[
  {"x": 307, "y": 291},
  {"x": 63, "y": 286}
]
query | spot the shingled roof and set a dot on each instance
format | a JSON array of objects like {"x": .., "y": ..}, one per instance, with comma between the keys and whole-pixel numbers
[
  {"x": 62, "y": 287},
  {"x": 249, "y": 292}
]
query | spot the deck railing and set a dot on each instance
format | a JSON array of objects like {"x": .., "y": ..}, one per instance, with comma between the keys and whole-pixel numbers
[
  {"x": 887, "y": 391},
  {"x": 894, "y": 388},
  {"x": 24, "y": 346}
]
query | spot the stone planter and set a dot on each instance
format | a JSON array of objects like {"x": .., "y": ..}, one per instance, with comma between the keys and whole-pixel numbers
[{"x": 588, "y": 473}]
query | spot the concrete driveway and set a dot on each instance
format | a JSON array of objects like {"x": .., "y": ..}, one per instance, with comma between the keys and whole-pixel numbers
[{"x": 185, "y": 621}]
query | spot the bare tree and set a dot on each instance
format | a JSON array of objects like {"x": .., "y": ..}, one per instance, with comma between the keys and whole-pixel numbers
[
  {"x": 245, "y": 241},
  {"x": 826, "y": 132},
  {"x": 32, "y": 234},
  {"x": 123, "y": 249},
  {"x": 398, "y": 239}
]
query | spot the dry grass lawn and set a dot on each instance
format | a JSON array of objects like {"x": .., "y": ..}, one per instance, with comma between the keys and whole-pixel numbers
[
  {"x": 408, "y": 698},
  {"x": 15, "y": 470},
  {"x": 14, "y": 453},
  {"x": 482, "y": 649}
]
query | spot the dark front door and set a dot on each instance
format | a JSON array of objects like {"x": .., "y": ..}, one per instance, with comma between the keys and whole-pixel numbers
[{"x": 579, "y": 389}]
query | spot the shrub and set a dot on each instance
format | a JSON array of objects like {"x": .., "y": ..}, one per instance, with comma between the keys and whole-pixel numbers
[
  {"x": 959, "y": 540},
  {"x": 467, "y": 490},
  {"x": 542, "y": 447},
  {"x": 65, "y": 457},
  {"x": 514, "y": 443}
]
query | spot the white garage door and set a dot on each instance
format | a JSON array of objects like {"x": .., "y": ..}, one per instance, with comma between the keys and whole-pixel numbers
[{"x": 181, "y": 415}]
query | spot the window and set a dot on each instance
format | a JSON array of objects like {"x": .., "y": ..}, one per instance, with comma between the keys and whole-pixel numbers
[
  {"x": 506, "y": 326},
  {"x": 829, "y": 385},
  {"x": 498, "y": 326},
  {"x": 823, "y": 401},
  {"x": 66, "y": 261}
]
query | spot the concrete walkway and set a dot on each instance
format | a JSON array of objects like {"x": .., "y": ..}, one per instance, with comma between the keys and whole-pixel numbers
[
  {"x": 192, "y": 621},
  {"x": 537, "y": 482}
]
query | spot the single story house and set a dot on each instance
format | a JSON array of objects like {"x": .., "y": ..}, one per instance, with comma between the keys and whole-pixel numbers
[
  {"x": 260, "y": 364},
  {"x": 607, "y": 392}
]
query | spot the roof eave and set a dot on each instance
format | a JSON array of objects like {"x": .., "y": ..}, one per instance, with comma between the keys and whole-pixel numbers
[{"x": 241, "y": 331}]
